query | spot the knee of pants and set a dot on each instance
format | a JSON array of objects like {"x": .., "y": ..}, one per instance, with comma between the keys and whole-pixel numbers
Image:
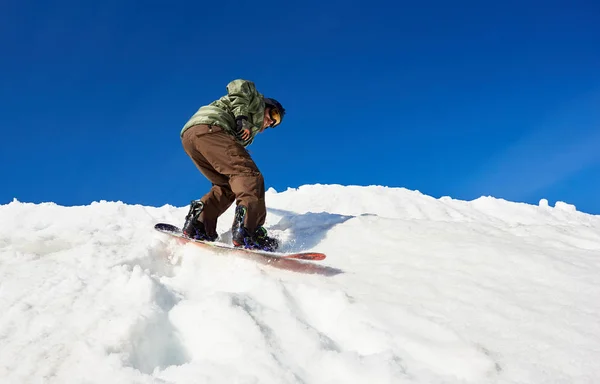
[
  {"x": 223, "y": 191},
  {"x": 249, "y": 186}
]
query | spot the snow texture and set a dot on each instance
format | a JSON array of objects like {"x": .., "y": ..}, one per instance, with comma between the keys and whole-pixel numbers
[{"x": 414, "y": 290}]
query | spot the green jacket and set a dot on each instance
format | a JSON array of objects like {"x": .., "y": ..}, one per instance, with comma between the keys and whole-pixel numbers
[{"x": 242, "y": 99}]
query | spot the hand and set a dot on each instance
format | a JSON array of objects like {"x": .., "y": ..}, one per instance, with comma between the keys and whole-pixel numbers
[
  {"x": 244, "y": 128},
  {"x": 245, "y": 134}
]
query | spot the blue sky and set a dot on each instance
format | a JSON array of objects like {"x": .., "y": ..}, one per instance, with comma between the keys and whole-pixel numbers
[{"x": 459, "y": 99}]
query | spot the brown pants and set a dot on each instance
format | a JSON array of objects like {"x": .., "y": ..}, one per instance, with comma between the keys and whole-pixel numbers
[{"x": 232, "y": 172}]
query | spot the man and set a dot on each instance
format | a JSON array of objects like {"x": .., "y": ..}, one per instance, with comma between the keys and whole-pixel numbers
[{"x": 215, "y": 138}]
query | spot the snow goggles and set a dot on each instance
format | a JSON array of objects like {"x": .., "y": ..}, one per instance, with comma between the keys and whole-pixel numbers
[{"x": 275, "y": 116}]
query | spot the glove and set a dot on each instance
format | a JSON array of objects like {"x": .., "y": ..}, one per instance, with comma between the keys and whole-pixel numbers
[{"x": 244, "y": 128}]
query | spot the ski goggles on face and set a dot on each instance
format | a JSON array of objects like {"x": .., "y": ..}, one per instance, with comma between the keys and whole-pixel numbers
[{"x": 275, "y": 116}]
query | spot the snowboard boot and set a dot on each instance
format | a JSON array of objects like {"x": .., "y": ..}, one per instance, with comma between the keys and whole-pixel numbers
[
  {"x": 241, "y": 237},
  {"x": 193, "y": 228}
]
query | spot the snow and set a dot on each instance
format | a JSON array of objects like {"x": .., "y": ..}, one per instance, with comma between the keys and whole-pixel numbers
[{"x": 414, "y": 290}]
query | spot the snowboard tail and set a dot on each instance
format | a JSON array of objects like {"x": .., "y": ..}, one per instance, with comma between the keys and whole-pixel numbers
[{"x": 176, "y": 232}]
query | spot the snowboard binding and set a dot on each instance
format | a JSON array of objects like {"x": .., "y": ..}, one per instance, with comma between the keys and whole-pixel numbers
[
  {"x": 193, "y": 227},
  {"x": 241, "y": 237}
]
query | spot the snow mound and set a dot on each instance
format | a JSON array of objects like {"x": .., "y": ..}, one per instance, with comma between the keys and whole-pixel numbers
[{"x": 414, "y": 290}]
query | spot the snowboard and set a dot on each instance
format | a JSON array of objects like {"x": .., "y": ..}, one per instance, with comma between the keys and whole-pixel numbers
[{"x": 176, "y": 232}]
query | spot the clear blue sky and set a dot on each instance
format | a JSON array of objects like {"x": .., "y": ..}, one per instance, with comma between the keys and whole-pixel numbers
[{"x": 459, "y": 99}]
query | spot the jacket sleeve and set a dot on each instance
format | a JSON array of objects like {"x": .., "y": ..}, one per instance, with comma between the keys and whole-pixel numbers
[{"x": 241, "y": 94}]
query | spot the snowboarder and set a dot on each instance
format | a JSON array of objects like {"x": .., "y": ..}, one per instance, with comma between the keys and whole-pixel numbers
[{"x": 215, "y": 138}]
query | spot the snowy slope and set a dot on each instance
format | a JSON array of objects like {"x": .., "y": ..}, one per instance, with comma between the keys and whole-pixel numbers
[{"x": 414, "y": 290}]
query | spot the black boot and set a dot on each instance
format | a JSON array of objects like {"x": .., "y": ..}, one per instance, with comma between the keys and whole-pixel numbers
[
  {"x": 237, "y": 229},
  {"x": 193, "y": 228},
  {"x": 263, "y": 241},
  {"x": 241, "y": 237}
]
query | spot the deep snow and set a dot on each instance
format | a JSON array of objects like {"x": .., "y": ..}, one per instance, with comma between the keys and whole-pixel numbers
[{"x": 413, "y": 290}]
